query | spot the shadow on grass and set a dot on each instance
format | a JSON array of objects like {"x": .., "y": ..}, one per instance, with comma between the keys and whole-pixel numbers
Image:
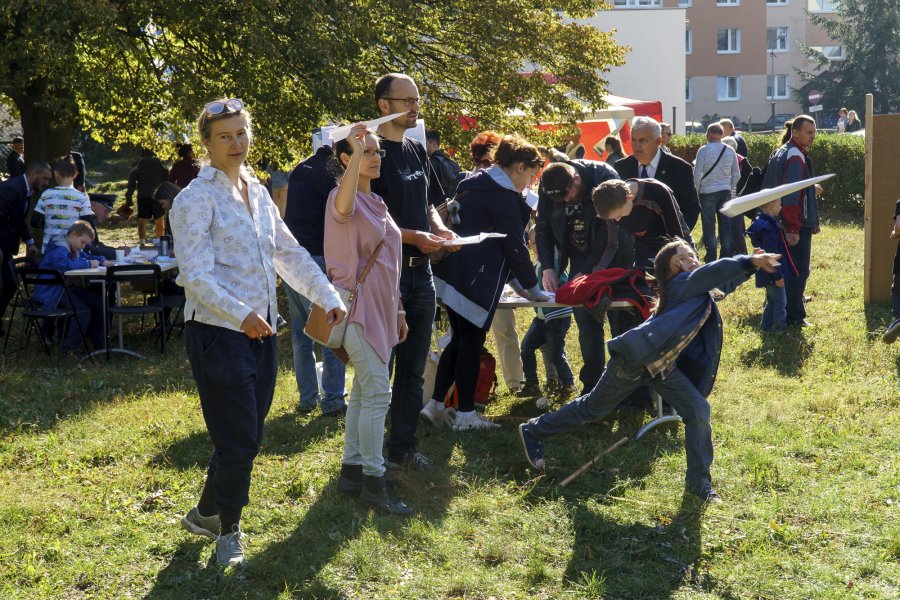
[
  {"x": 285, "y": 435},
  {"x": 642, "y": 561},
  {"x": 785, "y": 353}
]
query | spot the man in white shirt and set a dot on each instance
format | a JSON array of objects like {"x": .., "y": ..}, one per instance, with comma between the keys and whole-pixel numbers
[{"x": 716, "y": 173}]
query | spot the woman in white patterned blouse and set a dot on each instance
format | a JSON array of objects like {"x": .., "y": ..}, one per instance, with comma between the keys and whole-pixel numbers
[{"x": 231, "y": 243}]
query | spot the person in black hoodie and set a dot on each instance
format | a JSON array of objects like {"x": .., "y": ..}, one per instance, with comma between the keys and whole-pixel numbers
[{"x": 469, "y": 282}]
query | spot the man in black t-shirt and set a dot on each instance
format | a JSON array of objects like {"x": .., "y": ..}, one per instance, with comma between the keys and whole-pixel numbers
[{"x": 410, "y": 190}]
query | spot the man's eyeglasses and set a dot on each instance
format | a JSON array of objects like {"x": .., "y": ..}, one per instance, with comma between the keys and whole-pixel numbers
[
  {"x": 408, "y": 101},
  {"x": 484, "y": 162},
  {"x": 372, "y": 152},
  {"x": 217, "y": 107}
]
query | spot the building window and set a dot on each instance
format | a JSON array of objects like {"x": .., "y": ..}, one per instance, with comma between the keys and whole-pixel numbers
[
  {"x": 728, "y": 41},
  {"x": 776, "y": 39},
  {"x": 728, "y": 88},
  {"x": 728, "y": 2},
  {"x": 637, "y": 3},
  {"x": 685, "y": 3},
  {"x": 776, "y": 2},
  {"x": 821, "y": 5},
  {"x": 688, "y": 41},
  {"x": 832, "y": 52},
  {"x": 689, "y": 90},
  {"x": 776, "y": 87}
]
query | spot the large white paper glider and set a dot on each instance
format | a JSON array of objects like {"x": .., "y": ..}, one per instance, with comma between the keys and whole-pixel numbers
[
  {"x": 339, "y": 133},
  {"x": 742, "y": 204}
]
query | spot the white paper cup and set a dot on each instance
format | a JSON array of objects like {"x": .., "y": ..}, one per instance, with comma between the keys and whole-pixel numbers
[{"x": 120, "y": 255}]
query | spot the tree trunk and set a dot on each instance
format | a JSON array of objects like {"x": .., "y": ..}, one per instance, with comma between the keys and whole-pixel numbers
[{"x": 48, "y": 133}]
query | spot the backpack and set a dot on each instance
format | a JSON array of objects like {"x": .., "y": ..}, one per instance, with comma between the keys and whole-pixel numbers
[{"x": 484, "y": 386}]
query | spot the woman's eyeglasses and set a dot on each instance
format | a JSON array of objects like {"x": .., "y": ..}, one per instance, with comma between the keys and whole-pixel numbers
[
  {"x": 372, "y": 152},
  {"x": 217, "y": 107}
]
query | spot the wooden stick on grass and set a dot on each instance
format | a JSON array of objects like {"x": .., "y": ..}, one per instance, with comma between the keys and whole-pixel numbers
[{"x": 578, "y": 473}]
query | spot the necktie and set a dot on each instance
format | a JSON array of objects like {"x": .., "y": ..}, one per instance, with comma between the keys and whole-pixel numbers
[{"x": 644, "y": 172}]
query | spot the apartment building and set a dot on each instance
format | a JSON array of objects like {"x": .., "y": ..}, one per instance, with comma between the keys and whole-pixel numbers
[{"x": 741, "y": 56}]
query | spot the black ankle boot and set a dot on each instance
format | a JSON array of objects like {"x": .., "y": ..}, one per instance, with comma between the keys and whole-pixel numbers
[
  {"x": 351, "y": 479},
  {"x": 377, "y": 492}
]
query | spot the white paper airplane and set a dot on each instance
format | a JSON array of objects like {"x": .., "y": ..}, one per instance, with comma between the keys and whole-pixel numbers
[{"x": 742, "y": 204}]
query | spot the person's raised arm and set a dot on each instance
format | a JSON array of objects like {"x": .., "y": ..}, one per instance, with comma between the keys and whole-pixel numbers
[{"x": 345, "y": 200}]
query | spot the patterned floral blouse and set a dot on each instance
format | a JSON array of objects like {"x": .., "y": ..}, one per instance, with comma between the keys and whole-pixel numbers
[{"x": 228, "y": 259}]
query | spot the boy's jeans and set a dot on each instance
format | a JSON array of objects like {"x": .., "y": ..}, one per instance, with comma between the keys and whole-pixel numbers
[
  {"x": 552, "y": 334},
  {"x": 895, "y": 295},
  {"x": 774, "y": 317}
]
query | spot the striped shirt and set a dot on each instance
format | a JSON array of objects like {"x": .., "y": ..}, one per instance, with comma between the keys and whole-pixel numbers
[{"x": 61, "y": 206}]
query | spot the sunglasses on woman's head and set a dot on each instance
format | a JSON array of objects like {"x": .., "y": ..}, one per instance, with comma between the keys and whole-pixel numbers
[{"x": 217, "y": 107}]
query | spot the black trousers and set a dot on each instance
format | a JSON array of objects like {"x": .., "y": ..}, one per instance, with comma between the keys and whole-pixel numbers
[
  {"x": 236, "y": 381},
  {"x": 460, "y": 361}
]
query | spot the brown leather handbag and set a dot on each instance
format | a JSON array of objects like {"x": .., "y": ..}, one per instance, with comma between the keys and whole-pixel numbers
[{"x": 331, "y": 335}]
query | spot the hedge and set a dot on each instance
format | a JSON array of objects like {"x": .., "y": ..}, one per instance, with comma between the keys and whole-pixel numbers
[{"x": 844, "y": 155}]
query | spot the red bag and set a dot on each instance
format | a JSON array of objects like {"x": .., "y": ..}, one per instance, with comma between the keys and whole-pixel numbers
[{"x": 484, "y": 387}]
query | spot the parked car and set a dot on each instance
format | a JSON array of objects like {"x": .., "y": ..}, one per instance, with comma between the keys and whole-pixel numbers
[{"x": 780, "y": 120}]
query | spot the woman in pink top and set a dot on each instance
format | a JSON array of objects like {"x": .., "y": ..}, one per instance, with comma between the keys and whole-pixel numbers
[{"x": 356, "y": 221}]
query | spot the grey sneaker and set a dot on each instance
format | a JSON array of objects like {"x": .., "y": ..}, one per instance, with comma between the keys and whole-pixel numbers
[
  {"x": 196, "y": 523},
  {"x": 230, "y": 548},
  {"x": 890, "y": 335}
]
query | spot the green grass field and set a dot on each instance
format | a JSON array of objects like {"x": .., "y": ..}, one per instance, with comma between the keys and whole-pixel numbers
[{"x": 99, "y": 463}]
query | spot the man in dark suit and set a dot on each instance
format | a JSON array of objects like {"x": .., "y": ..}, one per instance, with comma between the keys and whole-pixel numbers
[
  {"x": 649, "y": 161},
  {"x": 15, "y": 194},
  {"x": 15, "y": 163}
]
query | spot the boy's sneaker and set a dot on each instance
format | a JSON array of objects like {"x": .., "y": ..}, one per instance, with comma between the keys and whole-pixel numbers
[
  {"x": 529, "y": 390},
  {"x": 230, "y": 548},
  {"x": 471, "y": 420},
  {"x": 892, "y": 333},
  {"x": 434, "y": 412},
  {"x": 197, "y": 523},
  {"x": 534, "y": 448}
]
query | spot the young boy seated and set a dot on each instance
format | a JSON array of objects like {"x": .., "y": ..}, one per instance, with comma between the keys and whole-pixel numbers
[
  {"x": 893, "y": 331},
  {"x": 60, "y": 206},
  {"x": 766, "y": 233},
  {"x": 66, "y": 252}
]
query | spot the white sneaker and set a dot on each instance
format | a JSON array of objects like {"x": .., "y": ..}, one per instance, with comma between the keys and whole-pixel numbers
[
  {"x": 471, "y": 420},
  {"x": 434, "y": 412},
  {"x": 230, "y": 548}
]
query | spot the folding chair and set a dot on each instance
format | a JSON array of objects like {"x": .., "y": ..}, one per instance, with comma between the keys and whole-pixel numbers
[
  {"x": 17, "y": 301},
  {"x": 33, "y": 313},
  {"x": 146, "y": 278}
]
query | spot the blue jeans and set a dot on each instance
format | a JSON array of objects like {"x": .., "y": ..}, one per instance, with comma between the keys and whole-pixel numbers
[
  {"x": 795, "y": 287},
  {"x": 551, "y": 334},
  {"x": 417, "y": 295},
  {"x": 709, "y": 213},
  {"x": 305, "y": 359},
  {"x": 774, "y": 317},
  {"x": 590, "y": 340},
  {"x": 616, "y": 384}
]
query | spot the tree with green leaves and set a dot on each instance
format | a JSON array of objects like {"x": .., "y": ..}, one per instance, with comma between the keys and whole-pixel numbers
[
  {"x": 869, "y": 31},
  {"x": 139, "y": 71}
]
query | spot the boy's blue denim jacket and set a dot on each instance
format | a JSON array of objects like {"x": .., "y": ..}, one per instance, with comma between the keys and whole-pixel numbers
[
  {"x": 59, "y": 256},
  {"x": 688, "y": 297}
]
